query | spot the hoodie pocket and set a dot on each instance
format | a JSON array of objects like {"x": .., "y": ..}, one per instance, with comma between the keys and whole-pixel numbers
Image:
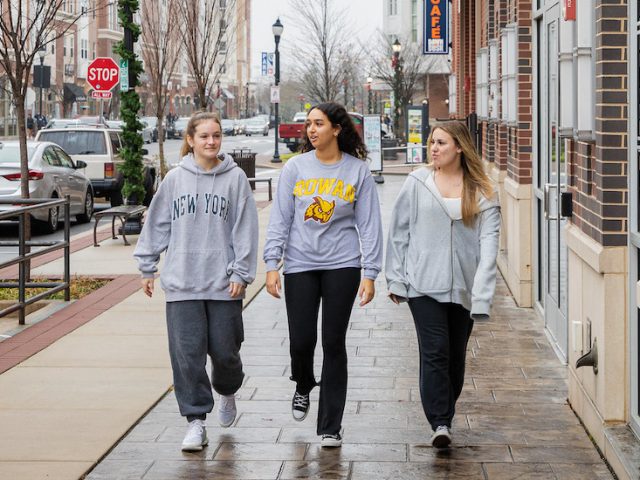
[
  {"x": 197, "y": 271},
  {"x": 430, "y": 272}
]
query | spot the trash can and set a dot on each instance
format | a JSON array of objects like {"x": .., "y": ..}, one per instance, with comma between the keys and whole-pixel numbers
[
  {"x": 246, "y": 160},
  {"x": 390, "y": 143}
]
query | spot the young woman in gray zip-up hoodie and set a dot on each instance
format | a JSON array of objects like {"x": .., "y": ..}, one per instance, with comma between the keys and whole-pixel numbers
[{"x": 441, "y": 257}]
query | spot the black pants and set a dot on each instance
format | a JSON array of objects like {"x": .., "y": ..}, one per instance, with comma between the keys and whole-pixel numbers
[
  {"x": 303, "y": 291},
  {"x": 443, "y": 333}
]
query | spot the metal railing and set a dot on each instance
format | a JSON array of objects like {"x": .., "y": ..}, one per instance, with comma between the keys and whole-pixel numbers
[{"x": 24, "y": 207}]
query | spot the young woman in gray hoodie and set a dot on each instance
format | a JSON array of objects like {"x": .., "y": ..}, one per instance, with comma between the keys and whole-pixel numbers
[
  {"x": 205, "y": 218},
  {"x": 441, "y": 257}
]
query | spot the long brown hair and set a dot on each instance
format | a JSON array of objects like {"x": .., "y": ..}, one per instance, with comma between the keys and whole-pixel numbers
[
  {"x": 195, "y": 120},
  {"x": 474, "y": 178}
]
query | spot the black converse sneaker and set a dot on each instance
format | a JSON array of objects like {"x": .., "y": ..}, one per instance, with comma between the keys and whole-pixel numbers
[
  {"x": 299, "y": 406},
  {"x": 333, "y": 440}
]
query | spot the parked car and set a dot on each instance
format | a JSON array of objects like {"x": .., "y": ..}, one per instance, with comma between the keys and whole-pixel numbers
[
  {"x": 257, "y": 126},
  {"x": 99, "y": 148},
  {"x": 239, "y": 126},
  {"x": 177, "y": 128},
  {"x": 228, "y": 128},
  {"x": 153, "y": 123},
  {"x": 52, "y": 174},
  {"x": 291, "y": 133}
]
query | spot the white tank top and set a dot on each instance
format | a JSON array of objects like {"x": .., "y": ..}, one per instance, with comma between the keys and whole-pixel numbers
[{"x": 454, "y": 206}]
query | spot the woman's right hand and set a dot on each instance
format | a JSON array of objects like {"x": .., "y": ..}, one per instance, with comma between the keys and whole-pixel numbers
[
  {"x": 273, "y": 283},
  {"x": 395, "y": 298},
  {"x": 147, "y": 286}
]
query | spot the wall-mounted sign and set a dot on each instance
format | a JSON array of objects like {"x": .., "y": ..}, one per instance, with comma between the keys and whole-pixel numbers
[
  {"x": 569, "y": 10},
  {"x": 436, "y": 27}
]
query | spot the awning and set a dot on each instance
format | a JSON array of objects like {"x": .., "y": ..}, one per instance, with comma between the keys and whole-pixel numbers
[
  {"x": 227, "y": 94},
  {"x": 74, "y": 93}
]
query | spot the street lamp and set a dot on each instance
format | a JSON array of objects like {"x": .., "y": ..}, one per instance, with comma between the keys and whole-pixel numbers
[
  {"x": 277, "y": 29},
  {"x": 41, "y": 53},
  {"x": 397, "y": 71},
  {"x": 369, "y": 82},
  {"x": 246, "y": 105}
]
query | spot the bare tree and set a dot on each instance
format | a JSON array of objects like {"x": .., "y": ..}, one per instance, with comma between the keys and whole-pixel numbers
[
  {"x": 160, "y": 51},
  {"x": 207, "y": 36},
  {"x": 25, "y": 28},
  {"x": 403, "y": 75},
  {"x": 322, "y": 50}
]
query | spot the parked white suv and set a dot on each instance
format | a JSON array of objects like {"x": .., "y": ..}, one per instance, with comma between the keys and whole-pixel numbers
[{"x": 99, "y": 148}]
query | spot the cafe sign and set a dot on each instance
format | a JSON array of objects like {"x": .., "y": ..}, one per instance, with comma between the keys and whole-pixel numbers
[{"x": 436, "y": 27}]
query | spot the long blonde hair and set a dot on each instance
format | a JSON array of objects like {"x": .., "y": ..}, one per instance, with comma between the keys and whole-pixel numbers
[
  {"x": 474, "y": 178},
  {"x": 195, "y": 120}
]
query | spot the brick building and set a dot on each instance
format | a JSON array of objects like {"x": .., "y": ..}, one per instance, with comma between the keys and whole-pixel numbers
[{"x": 553, "y": 89}]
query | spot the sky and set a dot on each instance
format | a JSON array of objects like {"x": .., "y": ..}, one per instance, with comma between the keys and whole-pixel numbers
[{"x": 365, "y": 16}]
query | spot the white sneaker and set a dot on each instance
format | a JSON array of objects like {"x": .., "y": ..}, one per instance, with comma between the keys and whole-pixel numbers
[
  {"x": 227, "y": 410},
  {"x": 441, "y": 437},
  {"x": 196, "y": 437}
]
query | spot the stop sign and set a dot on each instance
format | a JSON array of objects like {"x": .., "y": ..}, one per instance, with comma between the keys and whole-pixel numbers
[{"x": 103, "y": 74}]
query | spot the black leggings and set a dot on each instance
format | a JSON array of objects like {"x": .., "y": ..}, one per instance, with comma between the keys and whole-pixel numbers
[
  {"x": 303, "y": 291},
  {"x": 443, "y": 333}
]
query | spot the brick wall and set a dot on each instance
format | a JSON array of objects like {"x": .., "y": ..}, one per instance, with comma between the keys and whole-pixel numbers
[{"x": 601, "y": 169}]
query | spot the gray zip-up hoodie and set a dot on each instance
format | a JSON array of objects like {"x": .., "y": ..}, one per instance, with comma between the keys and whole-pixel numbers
[
  {"x": 208, "y": 223},
  {"x": 429, "y": 253}
]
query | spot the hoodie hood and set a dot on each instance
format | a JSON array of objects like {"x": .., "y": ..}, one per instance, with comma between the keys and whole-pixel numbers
[{"x": 227, "y": 164}]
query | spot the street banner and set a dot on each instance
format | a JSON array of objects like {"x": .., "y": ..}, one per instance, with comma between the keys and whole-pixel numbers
[
  {"x": 436, "y": 27},
  {"x": 268, "y": 64},
  {"x": 569, "y": 10},
  {"x": 372, "y": 132}
]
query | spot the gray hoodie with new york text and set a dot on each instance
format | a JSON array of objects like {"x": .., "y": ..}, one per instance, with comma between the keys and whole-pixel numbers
[
  {"x": 208, "y": 224},
  {"x": 429, "y": 253}
]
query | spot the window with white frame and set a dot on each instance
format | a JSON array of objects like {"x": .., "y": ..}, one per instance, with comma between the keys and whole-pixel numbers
[
  {"x": 393, "y": 7},
  {"x": 509, "y": 73},
  {"x": 494, "y": 79},
  {"x": 583, "y": 56},
  {"x": 84, "y": 48},
  {"x": 482, "y": 83},
  {"x": 453, "y": 95}
]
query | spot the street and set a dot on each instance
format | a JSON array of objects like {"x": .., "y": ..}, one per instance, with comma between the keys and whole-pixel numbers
[{"x": 259, "y": 144}]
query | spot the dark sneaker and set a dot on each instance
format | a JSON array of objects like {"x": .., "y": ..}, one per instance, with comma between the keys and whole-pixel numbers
[
  {"x": 334, "y": 440},
  {"x": 441, "y": 437},
  {"x": 299, "y": 406}
]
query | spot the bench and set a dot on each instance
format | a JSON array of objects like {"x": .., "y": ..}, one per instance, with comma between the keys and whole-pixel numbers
[
  {"x": 255, "y": 179},
  {"x": 124, "y": 213}
]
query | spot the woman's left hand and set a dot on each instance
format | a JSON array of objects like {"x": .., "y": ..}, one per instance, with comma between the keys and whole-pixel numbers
[
  {"x": 367, "y": 291},
  {"x": 236, "y": 289}
]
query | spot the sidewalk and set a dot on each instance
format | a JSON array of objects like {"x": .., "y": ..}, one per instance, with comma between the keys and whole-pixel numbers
[{"x": 64, "y": 408}]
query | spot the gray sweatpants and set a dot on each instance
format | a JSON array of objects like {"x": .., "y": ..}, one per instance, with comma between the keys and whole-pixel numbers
[{"x": 197, "y": 328}]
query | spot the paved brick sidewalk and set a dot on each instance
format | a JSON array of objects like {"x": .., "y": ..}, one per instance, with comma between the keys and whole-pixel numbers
[{"x": 513, "y": 420}]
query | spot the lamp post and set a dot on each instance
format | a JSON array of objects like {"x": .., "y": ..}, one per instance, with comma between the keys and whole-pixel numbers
[
  {"x": 246, "y": 105},
  {"x": 277, "y": 29},
  {"x": 397, "y": 72},
  {"x": 369, "y": 82},
  {"x": 41, "y": 53}
]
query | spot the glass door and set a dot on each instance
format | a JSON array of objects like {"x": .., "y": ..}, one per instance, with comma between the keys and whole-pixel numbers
[{"x": 553, "y": 264}]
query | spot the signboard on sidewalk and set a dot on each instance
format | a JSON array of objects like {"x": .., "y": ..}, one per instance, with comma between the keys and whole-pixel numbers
[
  {"x": 414, "y": 153},
  {"x": 414, "y": 125},
  {"x": 436, "y": 27},
  {"x": 372, "y": 133}
]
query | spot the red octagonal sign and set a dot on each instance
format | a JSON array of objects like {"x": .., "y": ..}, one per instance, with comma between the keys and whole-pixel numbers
[{"x": 103, "y": 74}]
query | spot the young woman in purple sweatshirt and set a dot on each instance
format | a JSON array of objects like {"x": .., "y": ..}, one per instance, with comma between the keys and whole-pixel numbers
[{"x": 325, "y": 222}]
